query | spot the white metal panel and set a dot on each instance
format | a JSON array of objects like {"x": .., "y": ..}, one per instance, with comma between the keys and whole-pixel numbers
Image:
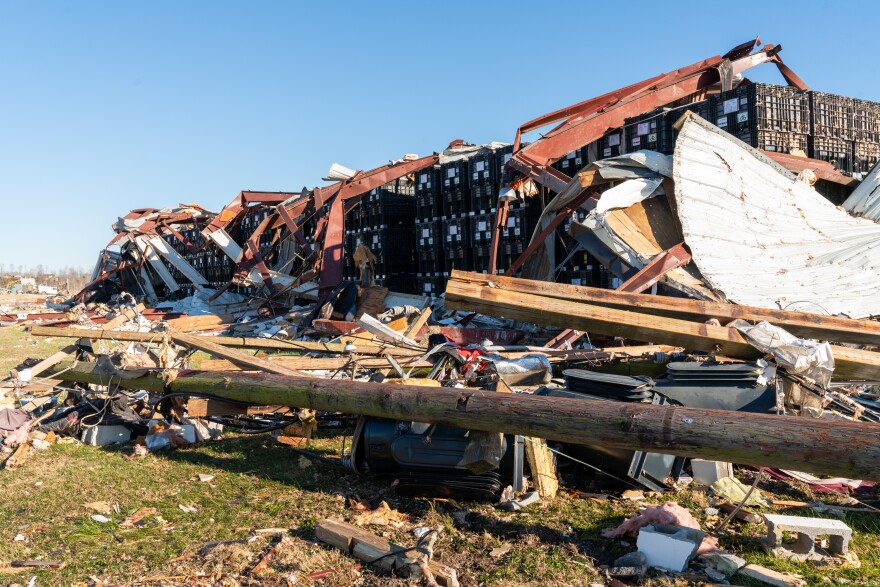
[
  {"x": 181, "y": 264},
  {"x": 865, "y": 199},
  {"x": 764, "y": 238}
]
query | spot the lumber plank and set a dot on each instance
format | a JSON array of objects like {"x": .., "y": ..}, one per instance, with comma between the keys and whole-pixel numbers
[
  {"x": 200, "y": 407},
  {"x": 314, "y": 363},
  {"x": 694, "y": 336},
  {"x": 239, "y": 358},
  {"x": 125, "y": 315},
  {"x": 802, "y": 324},
  {"x": 228, "y": 341},
  {"x": 540, "y": 461},
  {"x": 39, "y": 368},
  {"x": 194, "y": 323}
]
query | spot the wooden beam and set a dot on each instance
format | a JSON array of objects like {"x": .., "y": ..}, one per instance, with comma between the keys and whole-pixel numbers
[
  {"x": 831, "y": 447},
  {"x": 125, "y": 315},
  {"x": 200, "y": 407},
  {"x": 694, "y": 336},
  {"x": 801, "y": 324},
  {"x": 239, "y": 358},
  {"x": 194, "y": 323},
  {"x": 314, "y": 363},
  {"x": 40, "y": 367},
  {"x": 363, "y": 348}
]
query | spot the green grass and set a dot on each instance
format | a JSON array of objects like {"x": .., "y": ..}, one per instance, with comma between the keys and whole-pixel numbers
[
  {"x": 16, "y": 346},
  {"x": 260, "y": 484}
]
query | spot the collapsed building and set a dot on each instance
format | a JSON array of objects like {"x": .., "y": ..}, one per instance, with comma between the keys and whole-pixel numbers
[{"x": 692, "y": 244}]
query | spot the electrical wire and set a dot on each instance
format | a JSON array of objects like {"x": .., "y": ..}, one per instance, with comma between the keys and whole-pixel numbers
[
  {"x": 580, "y": 462},
  {"x": 736, "y": 510}
]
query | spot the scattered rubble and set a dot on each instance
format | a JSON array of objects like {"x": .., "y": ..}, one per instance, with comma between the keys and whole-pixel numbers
[{"x": 289, "y": 313}]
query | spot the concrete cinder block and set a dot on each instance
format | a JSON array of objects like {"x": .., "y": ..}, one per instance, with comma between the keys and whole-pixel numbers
[
  {"x": 708, "y": 472},
  {"x": 807, "y": 530},
  {"x": 634, "y": 564},
  {"x": 669, "y": 547},
  {"x": 104, "y": 435},
  {"x": 723, "y": 562}
]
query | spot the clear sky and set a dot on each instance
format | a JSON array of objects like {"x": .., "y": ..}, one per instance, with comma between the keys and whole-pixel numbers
[{"x": 110, "y": 106}]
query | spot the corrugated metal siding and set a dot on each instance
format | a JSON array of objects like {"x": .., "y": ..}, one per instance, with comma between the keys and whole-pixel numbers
[{"x": 766, "y": 239}]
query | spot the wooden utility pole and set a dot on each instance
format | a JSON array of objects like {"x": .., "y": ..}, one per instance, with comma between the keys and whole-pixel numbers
[{"x": 833, "y": 447}]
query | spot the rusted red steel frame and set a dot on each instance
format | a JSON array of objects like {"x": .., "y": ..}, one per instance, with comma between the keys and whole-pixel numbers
[
  {"x": 589, "y": 125},
  {"x": 560, "y": 217},
  {"x": 239, "y": 206},
  {"x": 155, "y": 226},
  {"x": 344, "y": 196},
  {"x": 590, "y": 120},
  {"x": 647, "y": 276},
  {"x": 341, "y": 196}
]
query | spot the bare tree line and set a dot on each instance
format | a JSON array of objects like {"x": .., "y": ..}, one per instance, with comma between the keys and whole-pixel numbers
[{"x": 69, "y": 278}]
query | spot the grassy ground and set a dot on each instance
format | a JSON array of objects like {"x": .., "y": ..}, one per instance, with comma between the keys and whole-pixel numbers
[
  {"x": 259, "y": 484},
  {"x": 16, "y": 346}
]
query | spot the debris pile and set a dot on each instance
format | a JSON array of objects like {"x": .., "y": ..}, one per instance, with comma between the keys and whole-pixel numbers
[{"x": 377, "y": 304}]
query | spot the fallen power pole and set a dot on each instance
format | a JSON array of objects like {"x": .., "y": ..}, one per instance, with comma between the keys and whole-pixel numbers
[{"x": 840, "y": 448}]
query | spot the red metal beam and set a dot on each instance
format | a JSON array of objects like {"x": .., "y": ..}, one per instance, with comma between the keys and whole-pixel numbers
[
  {"x": 548, "y": 230},
  {"x": 501, "y": 213},
  {"x": 647, "y": 276},
  {"x": 659, "y": 266},
  {"x": 586, "y": 126}
]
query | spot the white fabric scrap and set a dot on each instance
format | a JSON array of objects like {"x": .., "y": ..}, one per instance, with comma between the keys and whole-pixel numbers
[{"x": 630, "y": 192}]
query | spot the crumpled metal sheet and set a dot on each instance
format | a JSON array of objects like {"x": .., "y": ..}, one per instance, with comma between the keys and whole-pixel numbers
[
  {"x": 798, "y": 355},
  {"x": 764, "y": 238},
  {"x": 865, "y": 199},
  {"x": 635, "y": 165}
]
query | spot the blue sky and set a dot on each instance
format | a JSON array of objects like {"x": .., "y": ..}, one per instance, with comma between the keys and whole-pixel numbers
[{"x": 109, "y": 106}]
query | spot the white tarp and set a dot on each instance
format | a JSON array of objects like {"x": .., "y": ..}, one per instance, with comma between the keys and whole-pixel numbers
[{"x": 764, "y": 238}]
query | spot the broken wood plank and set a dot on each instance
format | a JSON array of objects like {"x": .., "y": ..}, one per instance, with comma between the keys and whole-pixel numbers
[
  {"x": 416, "y": 327},
  {"x": 313, "y": 363},
  {"x": 842, "y": 448},
  {"x": 228, "y": 341},
  {"x": 199, "y": 407},
  {"x": 194, "y": 323},
  {"x": 40, "y": 367},
  {"x": 239, "y": 358},
  {"x": 368, "y": 547},
  {"x": 695, "y": 336},
  {"x": 262, "y": 567},
  {"x": 540, "y": 461},
  {"x": 125, "y": 315},
  {"x": 19, "y": 456},
  {"x": 802, "y": 324}
]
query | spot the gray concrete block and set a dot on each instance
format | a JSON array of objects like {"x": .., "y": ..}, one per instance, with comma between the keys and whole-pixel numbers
[
  {"x": 723, "y": 562},
  {"x": 807, "y": 530}
]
